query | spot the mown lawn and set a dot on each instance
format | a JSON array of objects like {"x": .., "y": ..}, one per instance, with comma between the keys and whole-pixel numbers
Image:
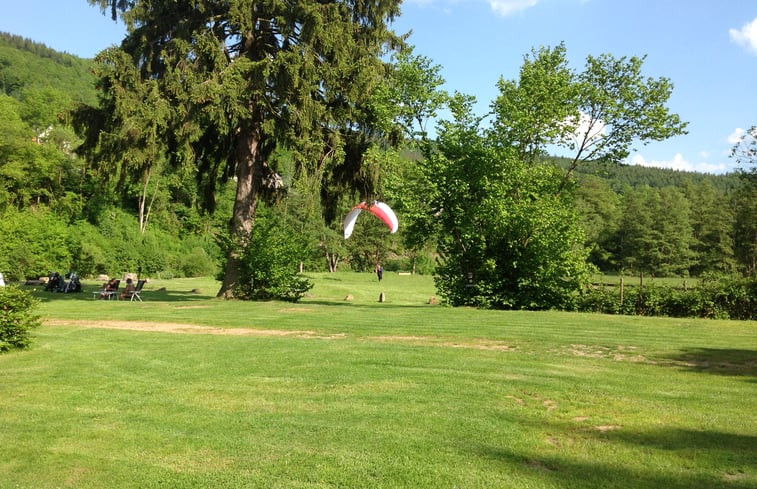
[{"x": 329, "y": 393}]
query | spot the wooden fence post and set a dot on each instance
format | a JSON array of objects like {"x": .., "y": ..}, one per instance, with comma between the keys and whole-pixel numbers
[{"x": 621, "y": 291}]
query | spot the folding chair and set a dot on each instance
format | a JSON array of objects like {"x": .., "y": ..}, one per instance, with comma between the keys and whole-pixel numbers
[{"x": 137, "y": 290}]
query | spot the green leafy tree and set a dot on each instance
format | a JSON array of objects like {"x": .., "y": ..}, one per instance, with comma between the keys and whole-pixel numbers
[
  {"x": 506, "y": 237},
  {"x": 411, "y": 95},
  {"x": 243, "y": 78},
  {"x": 410, "y": 98},
  {"x": 130, "y": 154},
  {"x": 597, "y": 114},
  {"x": 270, "y": 264},
  {"x": 600, "y": 211},
  {"x": 508, "y": 233},
  {"x": 745, "y": 202},
  {"x": 16, "y": 147}
]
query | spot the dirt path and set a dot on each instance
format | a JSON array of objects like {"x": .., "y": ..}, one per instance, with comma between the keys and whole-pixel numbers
[{"x": 182, "y": 328}]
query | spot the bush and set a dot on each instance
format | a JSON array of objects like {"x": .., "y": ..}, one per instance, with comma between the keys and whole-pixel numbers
[
  {"x": 34, "y": 242},
  {"x": 270, "y": 264},
  {"x": 16, "y": 318},
  {"x": 424, "y": 264},
  {"x": 197, "y": 263},
  {"x": 720, "y": 297}
]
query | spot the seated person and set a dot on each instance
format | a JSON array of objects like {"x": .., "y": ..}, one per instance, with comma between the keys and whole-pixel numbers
[
  {"x": 128, "y": 290},
  {"x": 108, "y": 288}
]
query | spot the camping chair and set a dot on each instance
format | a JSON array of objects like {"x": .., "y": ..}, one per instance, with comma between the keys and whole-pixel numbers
[{"x": 137, "y": 290}]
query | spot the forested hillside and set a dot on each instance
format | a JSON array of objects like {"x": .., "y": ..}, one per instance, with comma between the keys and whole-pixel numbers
[
  {"x": 29, "y": 69},
  {"x": 665, "y": 222},
  {"x": 59, "y": 212}
]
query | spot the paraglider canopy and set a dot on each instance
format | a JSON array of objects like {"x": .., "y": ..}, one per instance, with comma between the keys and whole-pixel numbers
[{"x": 378, "y": 209}]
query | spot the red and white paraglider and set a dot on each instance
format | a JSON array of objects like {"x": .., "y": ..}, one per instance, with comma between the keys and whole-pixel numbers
[{"x": 378, "y": 209}]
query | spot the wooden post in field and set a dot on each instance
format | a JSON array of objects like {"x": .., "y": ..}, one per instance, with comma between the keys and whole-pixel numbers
[
  {"x": 640, "y": 299},
  {"x": 621, "y": 291}
]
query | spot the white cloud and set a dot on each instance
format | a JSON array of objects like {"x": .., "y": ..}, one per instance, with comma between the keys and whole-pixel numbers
[
  {"x": 679, "y": 163},
  {"x": 584, "y": 130},
  {"x": 501, "y": 7},
  {"x": 746, "y": 36},
  {"x": 592, "y": 129},
  {"x": 736, "y": 136},
  {"x": 507, "y": 7}
]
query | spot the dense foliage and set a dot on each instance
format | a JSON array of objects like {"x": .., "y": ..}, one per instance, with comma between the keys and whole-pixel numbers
[
  {"x": 505, "y": 221},
  {"x": 270, "y": 262},
  {"x": 36, "y": 242},
  {"x": 510, "y": 226},
  {"x": 16, "y": 318},
  {"x": 719, "y": 297},
  {"x": 216, "y": 87},
  {"x": 506, "y": 238}
]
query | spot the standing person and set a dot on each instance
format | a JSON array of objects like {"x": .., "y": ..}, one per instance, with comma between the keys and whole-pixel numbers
[{"x": 379, "y": 272}]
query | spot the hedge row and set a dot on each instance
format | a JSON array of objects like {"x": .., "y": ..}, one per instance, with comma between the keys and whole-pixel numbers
[{"x": 730, "y": 297}]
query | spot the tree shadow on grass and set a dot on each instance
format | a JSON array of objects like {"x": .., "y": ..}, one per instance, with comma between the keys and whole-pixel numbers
[
  {"x": 699, "y": 459},
  {"x": 719, "y": 361},
  {"x": 564, "y": 471},
  {"x": 364, "y": 304},
  {"x": 721, "y": 447},
  {"x": 148, "y": 295}
]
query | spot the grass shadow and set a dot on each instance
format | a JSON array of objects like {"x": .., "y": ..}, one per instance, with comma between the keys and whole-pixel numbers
[
  {"x": 88, "y": 294},
  {"x": 732, "y": 447},
  {"x": 735, "y": 453},
  {"x": 564, "y": 471},
  {"x": 718, "y": 361}
]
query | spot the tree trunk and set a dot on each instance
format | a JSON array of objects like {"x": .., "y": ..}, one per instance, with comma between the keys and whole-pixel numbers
[
  {"x": 332, "y": 260},
  {"x": 249, "y": 167},
  {"x": 144, "y": 208}
]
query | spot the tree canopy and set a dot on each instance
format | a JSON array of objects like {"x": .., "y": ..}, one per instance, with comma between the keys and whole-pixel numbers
[
  {"x": 505, "y": 220},
  {"x": 242, "y": 79}
]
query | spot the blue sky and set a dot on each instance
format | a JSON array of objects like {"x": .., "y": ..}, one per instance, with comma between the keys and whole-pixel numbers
[{"x": 707, "y": 48}]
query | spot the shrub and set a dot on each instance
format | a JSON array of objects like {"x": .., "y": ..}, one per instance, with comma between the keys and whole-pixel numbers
[
  {"x": 717, "y": 297},
  {"x": 16, "y": 318},
  {"x": 197, "y": 263},
  {"x": 270, "y": 264},
  {"x": 34, "y": 242}
]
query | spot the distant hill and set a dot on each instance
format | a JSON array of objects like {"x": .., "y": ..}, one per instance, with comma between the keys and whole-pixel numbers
[
  {"x": 622, "y": 176},
  {"x": 27, "y": 67}
]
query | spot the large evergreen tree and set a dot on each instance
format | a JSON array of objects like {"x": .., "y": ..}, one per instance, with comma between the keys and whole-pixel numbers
[{"x": 242, "y": 78}]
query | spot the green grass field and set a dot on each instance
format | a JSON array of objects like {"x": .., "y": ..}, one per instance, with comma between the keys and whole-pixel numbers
[{"x": 187, "y": 391}]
